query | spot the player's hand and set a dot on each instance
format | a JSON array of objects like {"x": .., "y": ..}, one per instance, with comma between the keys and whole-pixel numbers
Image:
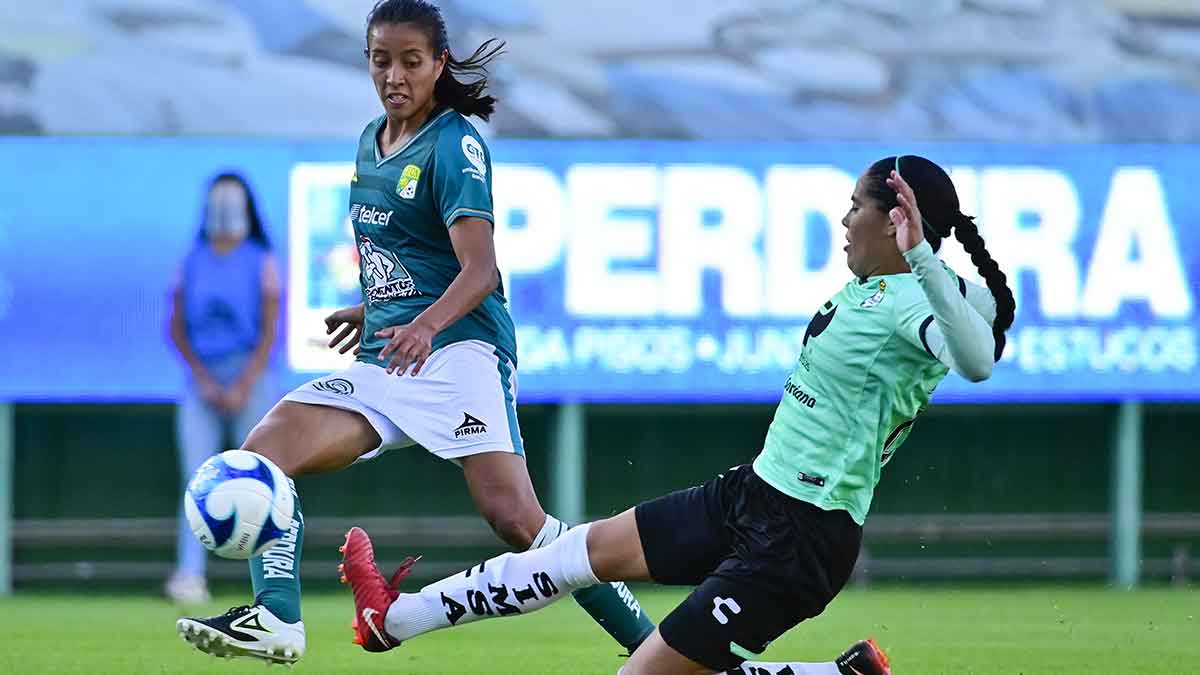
[
  {"x": 906, "y": 216},
  {"x": 407, "y": 345},
  {"x": 350, "y": 321}
]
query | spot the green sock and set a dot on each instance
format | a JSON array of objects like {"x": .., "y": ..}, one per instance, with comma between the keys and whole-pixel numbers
[
  {"x": 275, "y": 575},
  {"x": 617, "y": 611}
]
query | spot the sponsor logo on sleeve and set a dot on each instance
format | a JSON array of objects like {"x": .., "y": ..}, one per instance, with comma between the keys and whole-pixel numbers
[{"x": 474, "y": 153}]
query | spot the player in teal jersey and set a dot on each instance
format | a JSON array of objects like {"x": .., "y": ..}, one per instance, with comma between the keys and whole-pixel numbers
[
  {"x": 770, "y": 545},
  {"x": 436, "y": 349}
]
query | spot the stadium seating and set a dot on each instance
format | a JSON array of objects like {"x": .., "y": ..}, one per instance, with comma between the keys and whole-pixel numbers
[{"x": 998, "y": 70}]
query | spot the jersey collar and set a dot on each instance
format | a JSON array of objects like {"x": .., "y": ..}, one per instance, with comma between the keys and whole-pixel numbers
[
  {"x": 862, "y": 281},
  {"x": 380, "y": 161}
]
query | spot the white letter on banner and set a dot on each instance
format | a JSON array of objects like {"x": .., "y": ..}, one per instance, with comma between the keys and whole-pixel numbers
[
  {"x": 1135, "y": 219},
  {"x": 596, "y": 238},
  {"x": 686, "y": 247},
  {"x": 538, "y": 244},
  {"x": 793, "y": 194},
  {"x": 1008, "y": 193}
]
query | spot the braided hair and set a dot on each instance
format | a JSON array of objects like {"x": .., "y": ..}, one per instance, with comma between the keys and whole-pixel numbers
[{"x": 941, "y": 216}]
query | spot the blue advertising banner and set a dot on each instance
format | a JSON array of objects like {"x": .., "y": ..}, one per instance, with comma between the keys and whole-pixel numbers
[{"x": 636, "y": 271}]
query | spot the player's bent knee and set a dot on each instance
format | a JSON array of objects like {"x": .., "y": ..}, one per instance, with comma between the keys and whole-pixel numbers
[
  {"x": 513, "y": 529},
  {"x": 615, "y": 549},
  {"x": 269, "y": 438}
]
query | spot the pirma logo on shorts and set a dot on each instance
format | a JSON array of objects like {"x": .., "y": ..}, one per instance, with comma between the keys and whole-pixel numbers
[{"x": 470, "y": 426}]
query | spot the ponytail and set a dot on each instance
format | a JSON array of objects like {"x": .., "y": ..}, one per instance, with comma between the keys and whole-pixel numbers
[
  {"x": 940, "y": 215},
  {"x": 967, "y": 234},
  {"x": 465, "y": 96}
]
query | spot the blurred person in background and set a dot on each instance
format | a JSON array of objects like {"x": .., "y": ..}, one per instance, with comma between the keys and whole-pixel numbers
[{"x": 224, "y": 309}]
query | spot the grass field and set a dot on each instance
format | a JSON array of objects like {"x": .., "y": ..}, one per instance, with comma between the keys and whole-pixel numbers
[{"x": 1042, "y": 630}]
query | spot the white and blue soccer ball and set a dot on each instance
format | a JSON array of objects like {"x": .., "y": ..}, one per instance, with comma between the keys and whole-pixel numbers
[{"x": 239, "y": 504}]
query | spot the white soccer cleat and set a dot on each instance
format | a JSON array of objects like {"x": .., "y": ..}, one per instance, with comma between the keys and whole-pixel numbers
[{"x": 248, "y": 631}]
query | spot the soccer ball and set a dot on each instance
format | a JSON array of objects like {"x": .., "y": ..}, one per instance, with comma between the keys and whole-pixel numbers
[{"x": 239, "y": 504}]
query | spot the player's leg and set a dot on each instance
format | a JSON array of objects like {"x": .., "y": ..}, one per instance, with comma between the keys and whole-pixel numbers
[
  {"x": 656, "y": 657},
  {"x": 198, "y": 436},
  {"x": 723, "y": 623},
  {"x": 301, "y": 439},
  {"x": 507, "y": 585},
  {"x": 500, "y": 486},
  {"x": 462, "y": 408},
  {"x": 321, "y": 426},
  {"x": 863, "y": 658},
  {"x": 682, "y": 534},
  {"x": 790, "y": 560},
  {"x": 503, "y": 494}
]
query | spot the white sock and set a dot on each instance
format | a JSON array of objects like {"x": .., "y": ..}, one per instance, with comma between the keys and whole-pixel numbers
[
  {"x": 513, "y": 583},
  {"x": 552, "y": 529},
  {"x": 756, "y": 668}
]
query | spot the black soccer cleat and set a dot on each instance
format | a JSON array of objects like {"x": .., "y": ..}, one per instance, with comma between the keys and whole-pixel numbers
[
  {"x": 864, "y": 658},
  {"x": 247, "y": 631}
]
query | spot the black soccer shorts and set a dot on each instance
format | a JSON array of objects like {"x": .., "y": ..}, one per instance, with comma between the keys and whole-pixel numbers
[{"x": 761, "y": 562}]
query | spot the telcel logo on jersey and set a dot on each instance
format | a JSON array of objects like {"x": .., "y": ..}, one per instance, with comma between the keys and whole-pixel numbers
[{"x": 369, "y": 215}]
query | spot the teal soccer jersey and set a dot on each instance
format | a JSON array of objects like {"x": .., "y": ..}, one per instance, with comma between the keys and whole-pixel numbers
[
  {"x": 402, "y": 207},
  {"x": 863, "y": 375}
]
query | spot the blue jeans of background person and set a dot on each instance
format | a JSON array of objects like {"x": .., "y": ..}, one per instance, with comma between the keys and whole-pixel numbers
[{"x": 201, "y": 430}]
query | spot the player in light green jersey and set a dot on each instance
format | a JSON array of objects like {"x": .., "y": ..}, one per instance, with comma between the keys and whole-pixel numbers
[
  {"x": 437, "y": 355},
  {"x": 770, "y": 545}
]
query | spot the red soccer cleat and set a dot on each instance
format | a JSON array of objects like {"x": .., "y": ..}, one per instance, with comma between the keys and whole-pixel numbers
[
  {"x": 373, "y": 594},
  {"x": 864, "y": 658}
]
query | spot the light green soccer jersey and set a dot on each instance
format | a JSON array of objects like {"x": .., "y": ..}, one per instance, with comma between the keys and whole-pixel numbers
[
  {"x": 864, "y": 374},
  {"x": 402, "y": 207}
]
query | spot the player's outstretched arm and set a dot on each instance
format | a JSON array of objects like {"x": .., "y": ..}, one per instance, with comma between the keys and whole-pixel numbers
[{"x": 960, "y": 337}]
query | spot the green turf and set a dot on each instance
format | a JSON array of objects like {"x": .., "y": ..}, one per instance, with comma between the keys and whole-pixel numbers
[{"x": 1043, "y": 630}]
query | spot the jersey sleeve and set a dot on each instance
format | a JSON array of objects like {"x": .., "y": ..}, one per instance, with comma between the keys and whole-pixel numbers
[
  {"x": 954, "y": 331},
  {"x": 981, "y": 299},
  {"x": 914, "y": 316},
  {"x": 462, "y": 175}
]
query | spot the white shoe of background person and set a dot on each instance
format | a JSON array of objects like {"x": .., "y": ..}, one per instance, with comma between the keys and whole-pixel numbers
[
  {"x": 183, "y": 589},
  {"x": 249, "y": 631}
]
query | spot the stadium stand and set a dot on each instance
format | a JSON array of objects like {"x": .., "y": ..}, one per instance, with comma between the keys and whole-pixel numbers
[{"x": 996, "y": 70}]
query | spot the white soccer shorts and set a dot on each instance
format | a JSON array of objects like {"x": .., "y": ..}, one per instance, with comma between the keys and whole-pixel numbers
[{"x": 462, "y": 403}]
